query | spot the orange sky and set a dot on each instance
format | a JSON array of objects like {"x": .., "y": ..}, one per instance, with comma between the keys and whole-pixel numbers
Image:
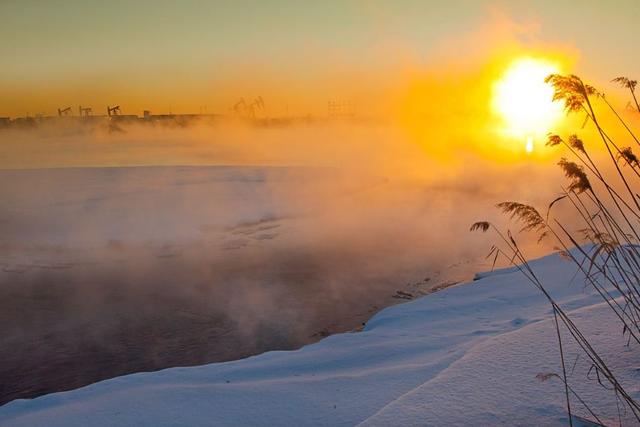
[{"x": 191, "y": 57}]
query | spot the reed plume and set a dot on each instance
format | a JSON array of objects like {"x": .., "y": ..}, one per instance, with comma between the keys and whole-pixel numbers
[
  {"x": 605, "y": 249},
  {"x": 629, "y": 84},
  {"x": 579, "y": 182}
]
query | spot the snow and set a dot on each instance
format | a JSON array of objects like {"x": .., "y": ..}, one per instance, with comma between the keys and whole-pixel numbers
[{"x": 467, "y": 355}]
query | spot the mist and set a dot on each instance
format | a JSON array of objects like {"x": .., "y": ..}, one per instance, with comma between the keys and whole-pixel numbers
[
  {"x": 157, "y": 247},
  {"x": 140, "y": 247}
]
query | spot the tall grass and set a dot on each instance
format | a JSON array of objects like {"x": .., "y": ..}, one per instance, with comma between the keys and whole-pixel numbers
[{"x": 602, "y": 195}]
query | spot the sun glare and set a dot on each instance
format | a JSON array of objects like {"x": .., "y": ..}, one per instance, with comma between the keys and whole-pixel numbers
[{"x": 524, "y": 100}]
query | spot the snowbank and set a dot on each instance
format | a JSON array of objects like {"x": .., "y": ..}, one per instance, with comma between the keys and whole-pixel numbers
[{"x": 466, "y": 355}]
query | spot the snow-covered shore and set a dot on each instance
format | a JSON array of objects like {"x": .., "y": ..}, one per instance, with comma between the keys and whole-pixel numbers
[
  {"x": 467, "y": 354},
  {"x": 108, "y": 271}
]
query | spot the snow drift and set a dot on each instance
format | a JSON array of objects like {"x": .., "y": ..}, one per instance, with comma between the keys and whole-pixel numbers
[{"x": 466, "y": 355}]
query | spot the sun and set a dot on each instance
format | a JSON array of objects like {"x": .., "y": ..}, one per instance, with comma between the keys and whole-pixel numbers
[{"x": 524, "y": 101}]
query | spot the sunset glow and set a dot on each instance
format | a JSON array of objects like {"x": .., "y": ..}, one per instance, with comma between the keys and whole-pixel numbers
[
  {"x": 295, "y": 213},
  {"x": 524, "y": 101}
]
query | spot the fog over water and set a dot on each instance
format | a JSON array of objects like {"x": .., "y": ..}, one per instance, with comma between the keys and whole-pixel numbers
[{"x": 160, "y": 247}]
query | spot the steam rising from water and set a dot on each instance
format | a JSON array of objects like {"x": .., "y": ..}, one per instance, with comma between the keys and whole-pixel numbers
[
  {"x": 138, "y": 248},
  {"x": 306, "y": 230}
]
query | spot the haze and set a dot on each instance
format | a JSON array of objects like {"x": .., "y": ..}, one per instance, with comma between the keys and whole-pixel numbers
[
  {"x": 133, "y": 241},
  {"x": 184, "y": 57}
]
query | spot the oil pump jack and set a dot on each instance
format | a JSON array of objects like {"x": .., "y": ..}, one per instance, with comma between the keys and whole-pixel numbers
[
  {"x": 240, "y": 106},
  {"x": 84, "y": 111},
  {"x": 249, "y": 110},
  {"x": 113, "y": 111},
  {"x": 64, "y": 111},
  {"x": 258, "y": 104}
]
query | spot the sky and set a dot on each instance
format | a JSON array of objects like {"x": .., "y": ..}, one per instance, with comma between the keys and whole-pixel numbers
[{"x": 202, "y": 56}]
